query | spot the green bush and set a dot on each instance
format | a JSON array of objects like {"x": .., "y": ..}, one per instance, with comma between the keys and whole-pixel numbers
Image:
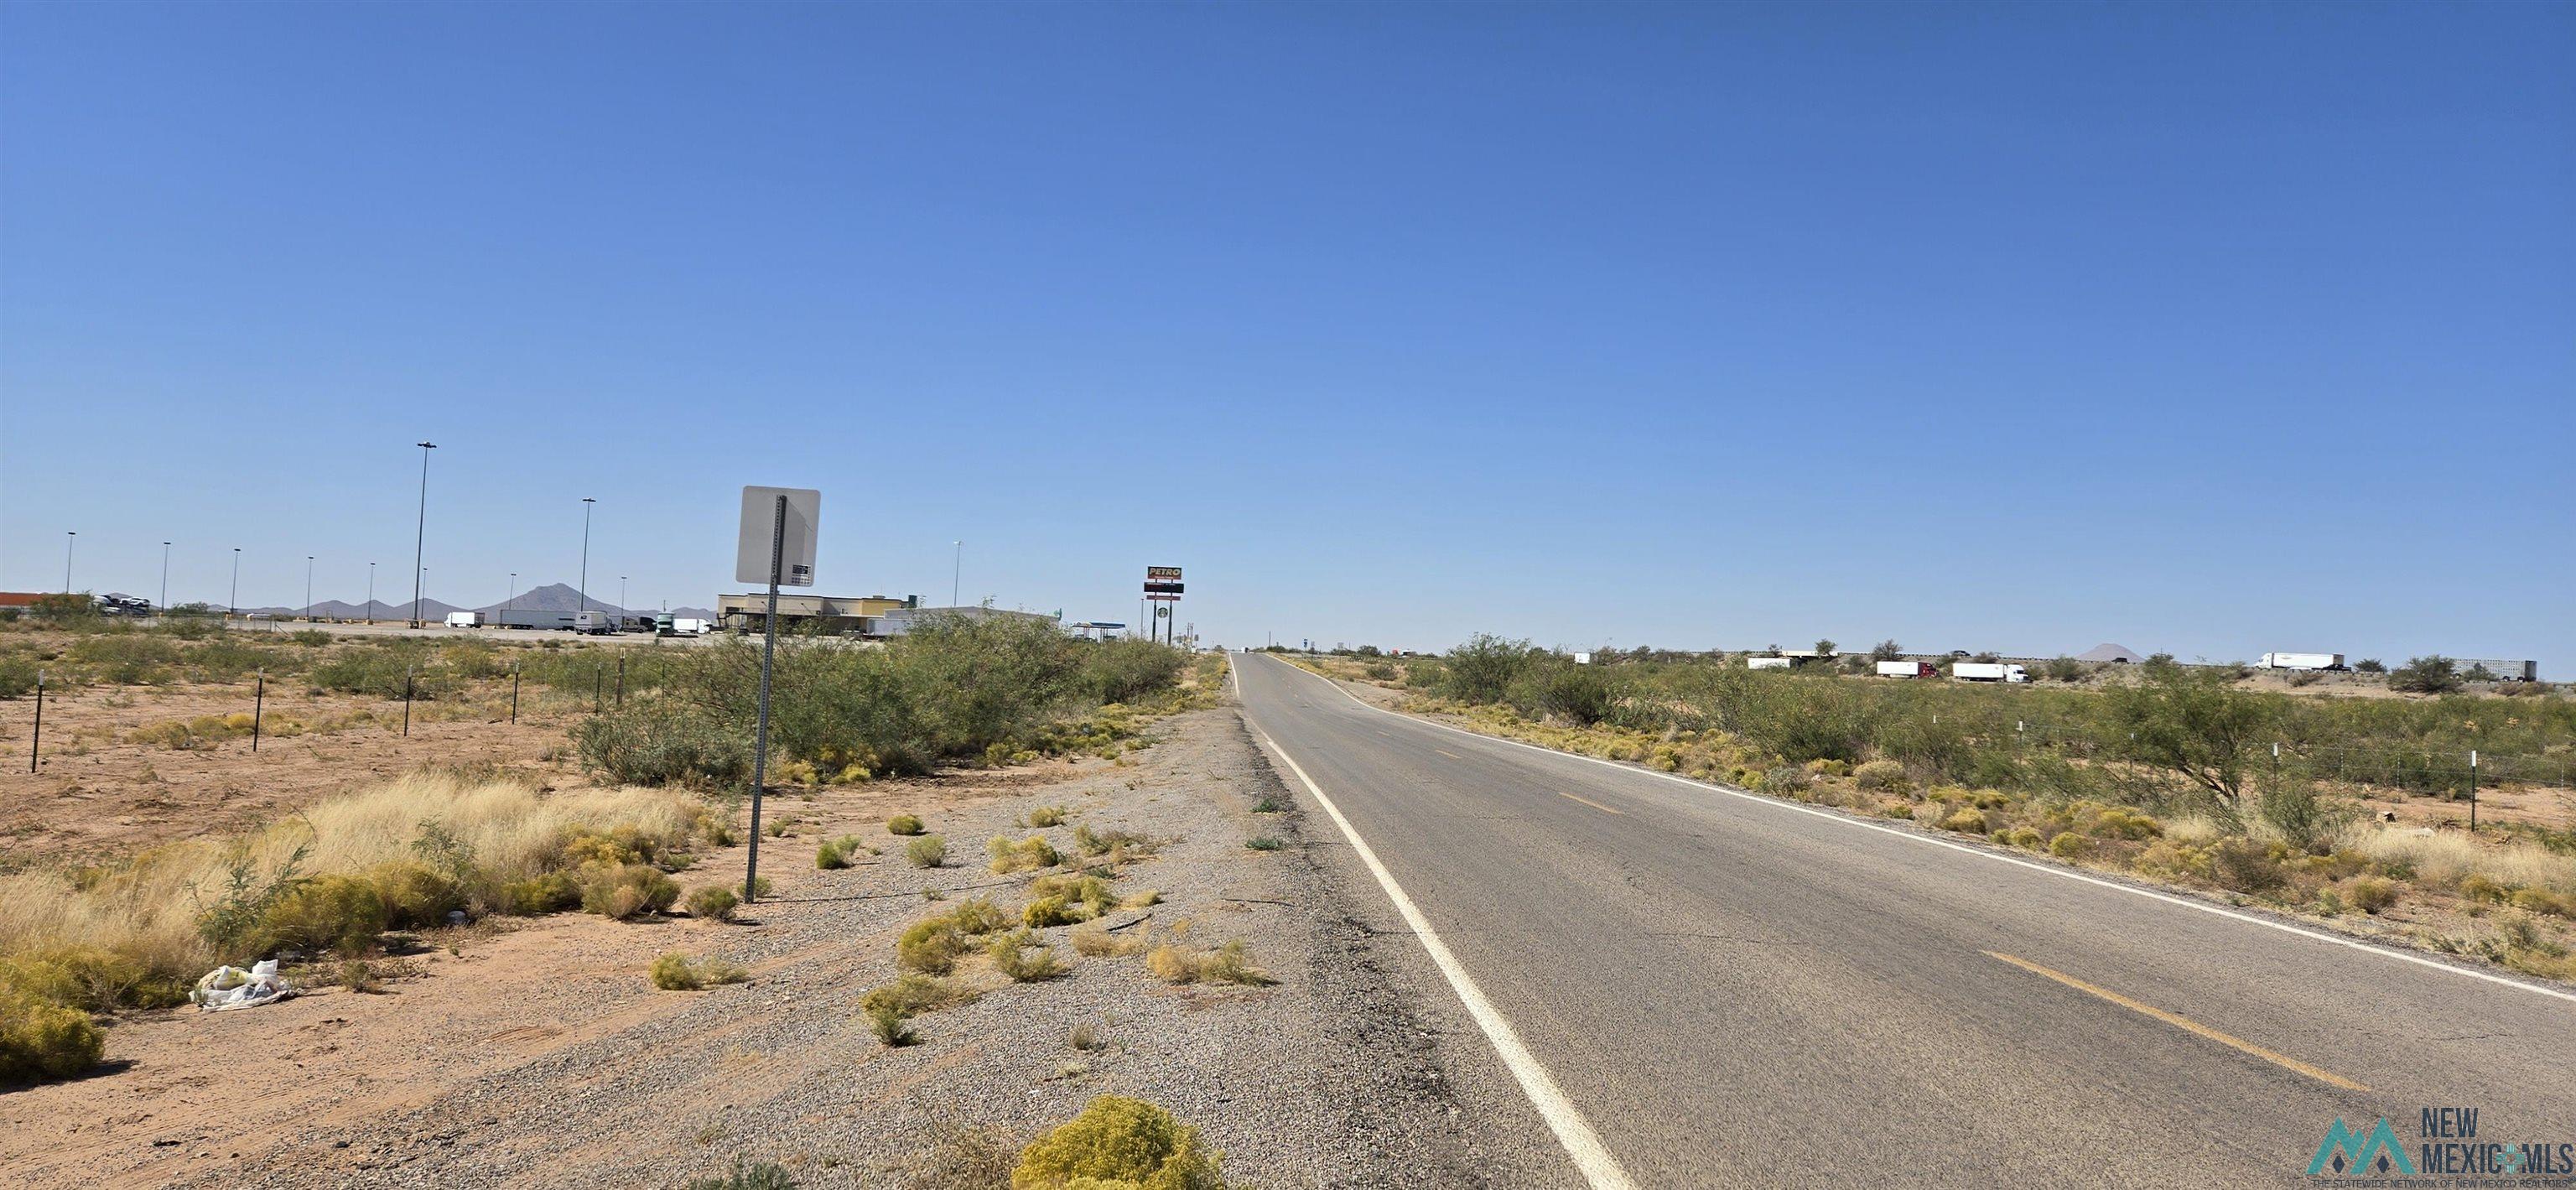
[
  {"x": 1884, "y": 775},
  {"x": 830, "y": 856},
  {"x": 553, "y": 892},
  {"x": 42, "y": 1039},
  {"x": 904, "y": 824},
  {"x": 1011, "y": 955},
  {"x": 1551, "y": 687},
  {"x": 17, "y": 676},
  {"x": 928, "y": 851},
  {"x": 1119, "y": 1142},
  {"x": 2371, "y": 894},
  {"x": 627, "y": 891},
  {"x": 1483, "y": 669},
  {"x": 2427, "y": 675},
  {"x": 311, "y": 638},
  {"x": 761, "y": 1175},
  {"x": 2245, "y": 866},
  {"x": 676, "y": 972},
  {"x": 657, "y": 743},
  {"x": 1027, "y": 855},
  {"x": 714, "y": 902},
  {"x": 340, "y": 913}
]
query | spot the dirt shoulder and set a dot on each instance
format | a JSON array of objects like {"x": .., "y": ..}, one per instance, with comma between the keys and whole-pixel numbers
[{"x": 541, "y": 1055}]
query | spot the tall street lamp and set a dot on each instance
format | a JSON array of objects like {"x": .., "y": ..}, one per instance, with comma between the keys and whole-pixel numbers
[
  {"x": 371, "y": 592},
  {"x": 232, "y": 601},
  {"x": 508, "y": 598},
  {"x": 165, "y": 578},
  {"x": 581, "y": 594},
  {"x": 71, "y": 537},
  {"x": 621, "y": 594},
  {"x": 420, "y": 532},
  {"x": 308, "y": 588},
  {"x": 956, "y": 567}
]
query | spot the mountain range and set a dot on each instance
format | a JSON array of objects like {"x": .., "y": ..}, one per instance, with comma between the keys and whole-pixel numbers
[{"x": 552, "y": 597}]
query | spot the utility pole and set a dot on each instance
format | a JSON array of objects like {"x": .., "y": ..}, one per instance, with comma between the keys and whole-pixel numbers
[
  {"x": 621, "y": 595},
  {"x": 956, "y": 569},
  {"x": 509, "y": 598},
  {"x": 165, "y": 578},
  {"x": 308, "y": 588},
  {"x": 420, "y": 532},
  {"x": 71, "y": 537},
  {"x": 371, "y": 592},
  {"x": 232, "y": 602},
  {"x": 581, "y": 594}
]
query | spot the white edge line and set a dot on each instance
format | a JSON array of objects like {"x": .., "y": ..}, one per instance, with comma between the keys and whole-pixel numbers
[
  {"x": 1591, "y": 1158},
  {"x": 1829, "y": 816}
]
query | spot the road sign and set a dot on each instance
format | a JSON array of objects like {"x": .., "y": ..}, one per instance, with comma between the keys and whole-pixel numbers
[{"x": 760, "y": 526}]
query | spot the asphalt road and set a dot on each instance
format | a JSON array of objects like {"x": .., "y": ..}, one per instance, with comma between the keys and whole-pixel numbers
[{"x": 1727, "y": 990}]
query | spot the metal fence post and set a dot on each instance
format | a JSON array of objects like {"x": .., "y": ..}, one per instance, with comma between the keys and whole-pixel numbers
[
  {"x": 621, "y": 683},
  {"x": 407, "y": 672},
  {"x": 39, "y": 740},
  {"x": 514, "y": 691},
  {"x": 258, "y": 708}
]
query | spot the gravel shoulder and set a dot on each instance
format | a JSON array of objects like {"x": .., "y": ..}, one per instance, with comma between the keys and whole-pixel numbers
[{"x": 540, "y": 1055}]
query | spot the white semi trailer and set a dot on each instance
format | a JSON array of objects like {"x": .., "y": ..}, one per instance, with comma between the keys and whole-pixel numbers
[
  {"x": 1767, "y": 663},
  {"x": 2300, "y": 661},
  {"x": 464, "y": 619},
  {"x": 1988, "y": 671}
]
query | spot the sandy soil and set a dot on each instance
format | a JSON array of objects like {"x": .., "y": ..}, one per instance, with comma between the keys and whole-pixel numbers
[
  {"x": 94, "y": 795},
  {"x": 536, "y": 1053}
]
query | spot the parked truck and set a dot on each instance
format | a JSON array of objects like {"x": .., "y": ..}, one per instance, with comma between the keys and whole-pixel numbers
[
  {"x": 1988, "y": 671},
  {"x": 464, "y": 619},
  {"x": 595, "y": 623},
  {"x": 528, "y": 618},
  {"x": 1906, "y": 669},
  {"x": 2333, "y": 661},
  {"x": 1767, "y": 663}
]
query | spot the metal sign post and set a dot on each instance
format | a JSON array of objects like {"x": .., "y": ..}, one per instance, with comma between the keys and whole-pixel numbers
[{"x": 776, "y": 507}]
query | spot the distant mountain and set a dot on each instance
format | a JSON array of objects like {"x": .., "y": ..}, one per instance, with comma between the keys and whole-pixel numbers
[
  {"x": 552, "y": 597},
  {"x": 333, "y": 609}
]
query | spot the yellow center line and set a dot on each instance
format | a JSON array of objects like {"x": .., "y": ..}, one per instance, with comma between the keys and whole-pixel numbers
[
  {"x": 1595, "y": 805},
  {"x": 1451, "y": 755},
  {"x": 2183, "y": 1023}
]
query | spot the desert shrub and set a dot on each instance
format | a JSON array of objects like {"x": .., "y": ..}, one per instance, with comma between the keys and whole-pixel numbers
[
  {"x": 1179, "y": 962},
  {"x": 342, "y": 913},
  {"x": 551, "y": 892},
  {"x": 2021, "y": 836},
  {"x": 912, "y": 994},
  {"x": 1011, "y": 955},
  {"x": 41, "y": 1039},
  {"x": 2245, "y": 866},
  {"x": 2068, "y": 845},
  {"x": 1047, "y": 816},
  {"x": 1092, "y": 941},
  {"x": 931, "y": 946},
  {"x": 892, "y": 1027},
  {"x": 904, "y": 824},
  {"x": 627, "y": 891},
  {"x": 1264, "y": 843},
  {"x": 2306, "y": 821},
  {"x": 831, "y": 856},
  {"x": 2195, "y": 724},
  {"x": 1483, "y": 669},
  {"x": 1117, "y": 1142},
  {"x": 1027, "y": 855},
  {"x": 415, "y": 896},
  {"x": 760, "y": 1175},
  {"x": 17, "y": 676},
  {"x": 1884, "y": 775},
  {"x": 90, "y": 978},
  {"x": 928, "y": 851},
  {"x": 311, "y": 638},
  {"x": 1551, "y": 687},
  {"x": 2427, "y": 675},
  {"x": 676, "y": 972},
  {"x": 660, "y": 743},
  {"x": 1968, "y": 819},
  {"x": 713, "y": 902},
  {"x": 2370, "y": 665},
  {"x": 1784, "y": 782},
  {"x": 2371, "y": 894}
]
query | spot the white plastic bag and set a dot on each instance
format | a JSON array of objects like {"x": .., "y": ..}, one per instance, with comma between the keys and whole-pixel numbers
[{"x": 226, "y": 988}]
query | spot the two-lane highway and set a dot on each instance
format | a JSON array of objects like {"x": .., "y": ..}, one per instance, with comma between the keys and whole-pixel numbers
[{"x": 1700, "y": 987}]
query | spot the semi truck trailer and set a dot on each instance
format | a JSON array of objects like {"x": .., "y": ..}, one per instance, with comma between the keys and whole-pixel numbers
[
  {"x": 1988, "y": 671},
  {"x": 2300, "y": 661}
]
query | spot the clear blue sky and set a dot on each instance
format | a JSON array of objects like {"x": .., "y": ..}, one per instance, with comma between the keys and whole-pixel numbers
[{"x": 2207, "y": 329}]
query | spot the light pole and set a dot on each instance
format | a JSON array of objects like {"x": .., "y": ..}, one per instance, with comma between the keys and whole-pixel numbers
[
  {"x": 71, "y": 537},
  {"x": 308, "y": 588},
  {"x": 165, "y": 578},
  {"x": 621, "y": 594},
  {"x": 420, "y": 532},
  {"x": 956, "y": 567},
  {"x": 232, "y": 601},
  {"x": 581, "y": 594},
  {"x": 509, "y": 597},
  {"x": 371, "y": 592}
]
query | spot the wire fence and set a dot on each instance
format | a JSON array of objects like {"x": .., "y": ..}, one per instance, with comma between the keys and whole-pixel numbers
[{"x": 2426, "y": 769}]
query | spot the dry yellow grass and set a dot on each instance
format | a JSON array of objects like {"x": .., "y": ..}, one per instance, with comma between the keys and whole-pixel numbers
[
  {"x": 2446, "y": 857},
  {"x": 147, "y": 907}
]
